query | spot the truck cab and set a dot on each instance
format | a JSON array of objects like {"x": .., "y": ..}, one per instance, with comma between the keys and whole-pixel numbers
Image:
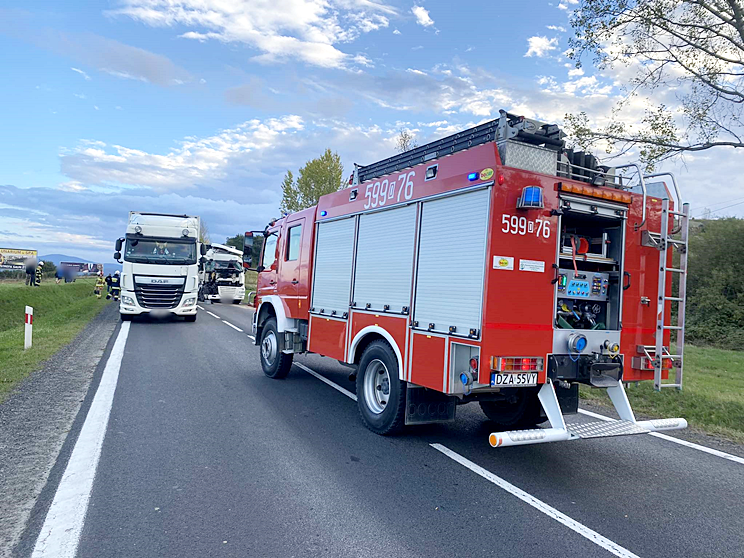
[
  {"x": 227, "y": 265},
  {"x": 160, "y": 257}
]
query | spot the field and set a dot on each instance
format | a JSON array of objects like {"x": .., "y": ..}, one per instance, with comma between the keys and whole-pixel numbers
[
  {"x": 250, "y": 285},
  {"x": 712, "y": 398},
  {"x": 60, "y": 313}
]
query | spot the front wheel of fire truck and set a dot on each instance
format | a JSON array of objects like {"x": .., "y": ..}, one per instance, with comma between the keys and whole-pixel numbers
[
  {"x": 521, "y": 408},
  {"x": 381, "y": 395},
  {"x": 274, "y": 362}
]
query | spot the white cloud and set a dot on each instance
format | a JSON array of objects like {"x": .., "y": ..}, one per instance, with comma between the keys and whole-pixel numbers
[
  {"x": 305, "y": 30},
  {"x": 556, "y": 28},
  {"x": 396, "y": 32},
  {"x": 422, "y": 16},
  {"x": 82, "y": 73},
  {"x": 541, "y": 46},
  {"x": 575, "y": 72},
  {"x": 80, "y": 95},
  {"x": 562, "y": 6}
]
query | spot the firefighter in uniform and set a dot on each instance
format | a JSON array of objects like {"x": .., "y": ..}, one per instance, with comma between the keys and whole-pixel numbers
[
  {"x": 115, "y": 287},
  {"x": 37, "y": 277},
  {"x": 100, "y": 283}
]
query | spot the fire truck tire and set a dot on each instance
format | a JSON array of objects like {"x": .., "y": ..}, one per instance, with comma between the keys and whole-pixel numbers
[
  {"x": 274, "y": 362},
  {"x": 523, "y": 413},
  {"x": 381, "y": 396}
]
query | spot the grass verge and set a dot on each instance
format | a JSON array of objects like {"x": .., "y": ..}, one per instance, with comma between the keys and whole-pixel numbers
[
  {"x": 251, "y": 277},
  {"x": 712, "y": 399},
  {"x": 60, "y": 313}
]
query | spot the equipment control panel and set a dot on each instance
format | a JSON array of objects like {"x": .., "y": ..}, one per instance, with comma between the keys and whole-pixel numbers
[{"x": 585, "y": 285}]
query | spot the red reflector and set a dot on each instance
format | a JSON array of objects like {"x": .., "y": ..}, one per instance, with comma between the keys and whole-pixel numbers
[{"x": 526, "y": 364}]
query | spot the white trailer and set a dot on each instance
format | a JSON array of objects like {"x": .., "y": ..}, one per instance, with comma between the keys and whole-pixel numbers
[{"x": 160, "y": 272}]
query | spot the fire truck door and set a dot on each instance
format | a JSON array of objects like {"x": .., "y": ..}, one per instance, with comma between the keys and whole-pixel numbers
[
  {"x": 268, "y": 266},
  {"x": 292, "y": 270}
]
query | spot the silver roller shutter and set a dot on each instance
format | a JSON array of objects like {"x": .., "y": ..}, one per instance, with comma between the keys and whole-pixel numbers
[
  {"x": 384, "y": 265},
  {"x": 333, "y": 258},
  {"x": 451, "y": 262}
]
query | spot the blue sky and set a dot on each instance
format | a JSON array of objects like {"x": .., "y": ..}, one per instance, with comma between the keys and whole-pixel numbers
[{"x": 201, "y": 107}]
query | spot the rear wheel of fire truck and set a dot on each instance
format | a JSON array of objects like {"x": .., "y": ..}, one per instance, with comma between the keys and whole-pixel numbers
[
  {"x": 381, "y": 396},
  {"x": 274, "y": 362},
  {"x": 519, "y": 409}
]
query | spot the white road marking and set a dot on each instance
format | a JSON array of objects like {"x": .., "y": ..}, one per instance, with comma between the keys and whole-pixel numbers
[
  {"x": 334, "y": 385},
  {"x": 232, "y": 326},
  {"x": 539, "y": 505},
  {"x": 698, "y": 447},
  {"x": 213, "y": 315},
  {"x": 251, "y": 336},
  {"x": 60, "y": 534},
  {"x": 200, "y": 307}
]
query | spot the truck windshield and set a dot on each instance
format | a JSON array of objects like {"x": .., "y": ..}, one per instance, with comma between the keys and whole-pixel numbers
[
  {"x": 228, "y": 266},
  {"x": 168, "y": 252}
]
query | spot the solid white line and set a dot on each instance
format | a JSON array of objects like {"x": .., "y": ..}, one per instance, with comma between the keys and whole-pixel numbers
[
  {"x": 60, "y": 533},
  {"x": 232, "y": 326},
  {"x": 539, "y": 505},
  {"x": 213, "y": 315},
  {"x": 679, "y": 441},
  {"x": 200, "y": 307},
  {"x": 334, "y": 385}
]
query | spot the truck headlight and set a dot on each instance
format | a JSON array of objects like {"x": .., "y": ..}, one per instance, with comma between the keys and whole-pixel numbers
[
  {"x": 127, "y": 300},
  {"x": 189, "y": 302}
]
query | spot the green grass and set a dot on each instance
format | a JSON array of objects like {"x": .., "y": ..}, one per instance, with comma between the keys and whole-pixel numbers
[
  {"x": 712, "y": 398},
  {"x": 60, "y": 313},
  {"x": 250, "y": 285}
]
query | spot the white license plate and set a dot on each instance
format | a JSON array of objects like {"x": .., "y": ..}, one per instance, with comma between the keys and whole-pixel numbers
[{"x": 524, "y": 379}]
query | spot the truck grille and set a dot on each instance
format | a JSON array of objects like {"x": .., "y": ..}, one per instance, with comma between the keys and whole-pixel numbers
[{"x": 159, "y": 296}]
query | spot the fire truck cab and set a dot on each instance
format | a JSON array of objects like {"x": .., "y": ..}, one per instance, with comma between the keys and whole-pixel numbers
[{"x": 494, "y": 265}]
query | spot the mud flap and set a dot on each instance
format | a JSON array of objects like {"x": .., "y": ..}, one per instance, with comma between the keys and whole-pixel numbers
[{"x": 425, "y": 406}]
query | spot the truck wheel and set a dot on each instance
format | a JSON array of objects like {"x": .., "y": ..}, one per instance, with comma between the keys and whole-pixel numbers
[
  {"x": 126, "y": 317},
  {"x": 190, "y": 318},
  {"x": 381, "y": 396},
  {"x": 522, "y": 410},
  {"x": 274, "y": 362}
]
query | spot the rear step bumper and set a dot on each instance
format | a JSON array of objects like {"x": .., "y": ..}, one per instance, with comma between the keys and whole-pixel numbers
[{"x": 560, "y": 431}]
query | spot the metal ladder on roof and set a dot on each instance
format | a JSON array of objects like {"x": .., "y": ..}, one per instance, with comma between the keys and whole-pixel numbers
[{"x": 665, "y": 241}]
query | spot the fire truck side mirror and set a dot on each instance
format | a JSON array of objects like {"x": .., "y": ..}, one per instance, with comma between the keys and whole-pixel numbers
[{"x": 252, "y": 245}]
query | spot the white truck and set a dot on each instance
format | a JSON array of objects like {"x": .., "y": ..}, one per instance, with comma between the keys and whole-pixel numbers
[
  {"x": 227, "y": 264},
  {"x": 160, "y": 275}
]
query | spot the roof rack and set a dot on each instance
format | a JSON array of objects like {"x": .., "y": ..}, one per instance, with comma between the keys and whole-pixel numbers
[{"x": 507, "y": 126}]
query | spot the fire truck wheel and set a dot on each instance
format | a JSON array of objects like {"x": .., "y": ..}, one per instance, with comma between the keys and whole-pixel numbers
[
  {"x": 274, "y": 362},
  {"x": 381, "y": 396},
  {"x": 522, "y": 411}
]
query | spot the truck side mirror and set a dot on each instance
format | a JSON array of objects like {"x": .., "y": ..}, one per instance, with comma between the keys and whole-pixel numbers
[
  {"x": 203, "y": 249},
  {"x": 119, "y": 242},
  {"x": 117, "y": 256},
  {"x": 252, "y": 245}
]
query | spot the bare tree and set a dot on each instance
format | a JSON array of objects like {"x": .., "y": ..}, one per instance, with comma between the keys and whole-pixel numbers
[
  {"x": 693, "y": 47},
  {"x": 405, "y": 141},
  {"x": 203, "y": 232}
]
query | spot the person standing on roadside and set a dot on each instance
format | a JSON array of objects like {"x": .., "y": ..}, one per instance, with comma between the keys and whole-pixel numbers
[
  {"x": 115, "y": 286},
  {"x": 37, "y": 278},
  {"x": 30, "y": 268},
  {"x": 99, "y": 285},
  {"x": 108, "y": 284},
  {"x": 58, "y": 275}
]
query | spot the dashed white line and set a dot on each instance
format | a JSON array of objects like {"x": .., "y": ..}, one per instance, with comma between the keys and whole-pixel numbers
[
  {"x": 213, "y": 315},
  {"x": 668, "y": 438},
  {"x": 200, "y": 307},
  {"x": 232, "y": 326},
  {"x": 251, "y": 336},
  {"x": 334, "y": 385},
  {"x": 60, "y": 534},
  {"x": 539, "y": 505}
]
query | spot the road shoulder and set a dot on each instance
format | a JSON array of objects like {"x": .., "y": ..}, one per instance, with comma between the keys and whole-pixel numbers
[{"x": 37, "y": 417}]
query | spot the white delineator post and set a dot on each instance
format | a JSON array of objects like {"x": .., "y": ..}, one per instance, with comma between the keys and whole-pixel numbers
[{"x": 29, "y": 326}]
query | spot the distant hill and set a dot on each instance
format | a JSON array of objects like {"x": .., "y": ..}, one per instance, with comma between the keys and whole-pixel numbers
[{"x": 57, "y": 258}]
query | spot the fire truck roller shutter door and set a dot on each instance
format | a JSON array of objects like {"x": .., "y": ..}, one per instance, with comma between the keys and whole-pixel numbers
[
  {"x": 384, "y": 263},
  {"x": 333, "y": 257},
  {"x": 451, "y": 262}
]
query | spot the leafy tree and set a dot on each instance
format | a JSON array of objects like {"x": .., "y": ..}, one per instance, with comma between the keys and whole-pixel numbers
[
  {"x": 405, "y": 141},
  {"x": 319, "y": 176},
  {"x": 236, "y": 241},
  {"x": 204, "y": 233},
  {"x": 695, "y": 47},
  {"x": 715, "y": 283}
]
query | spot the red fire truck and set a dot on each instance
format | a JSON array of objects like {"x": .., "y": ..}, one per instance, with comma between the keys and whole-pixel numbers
[{"x": 494, "y": 265}]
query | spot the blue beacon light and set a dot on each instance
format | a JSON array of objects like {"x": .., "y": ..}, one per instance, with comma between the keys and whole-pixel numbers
[
  {"x": 323, "y": 213},
  {"x": 473, "y": 176}
]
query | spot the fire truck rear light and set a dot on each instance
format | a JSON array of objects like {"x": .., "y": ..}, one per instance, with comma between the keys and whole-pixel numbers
[
  {"x": 473, "y": 176},
  {"x": 517, "y": 364}
]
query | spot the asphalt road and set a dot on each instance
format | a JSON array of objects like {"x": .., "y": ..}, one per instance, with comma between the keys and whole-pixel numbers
[{"x": 205, "y": 456}]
